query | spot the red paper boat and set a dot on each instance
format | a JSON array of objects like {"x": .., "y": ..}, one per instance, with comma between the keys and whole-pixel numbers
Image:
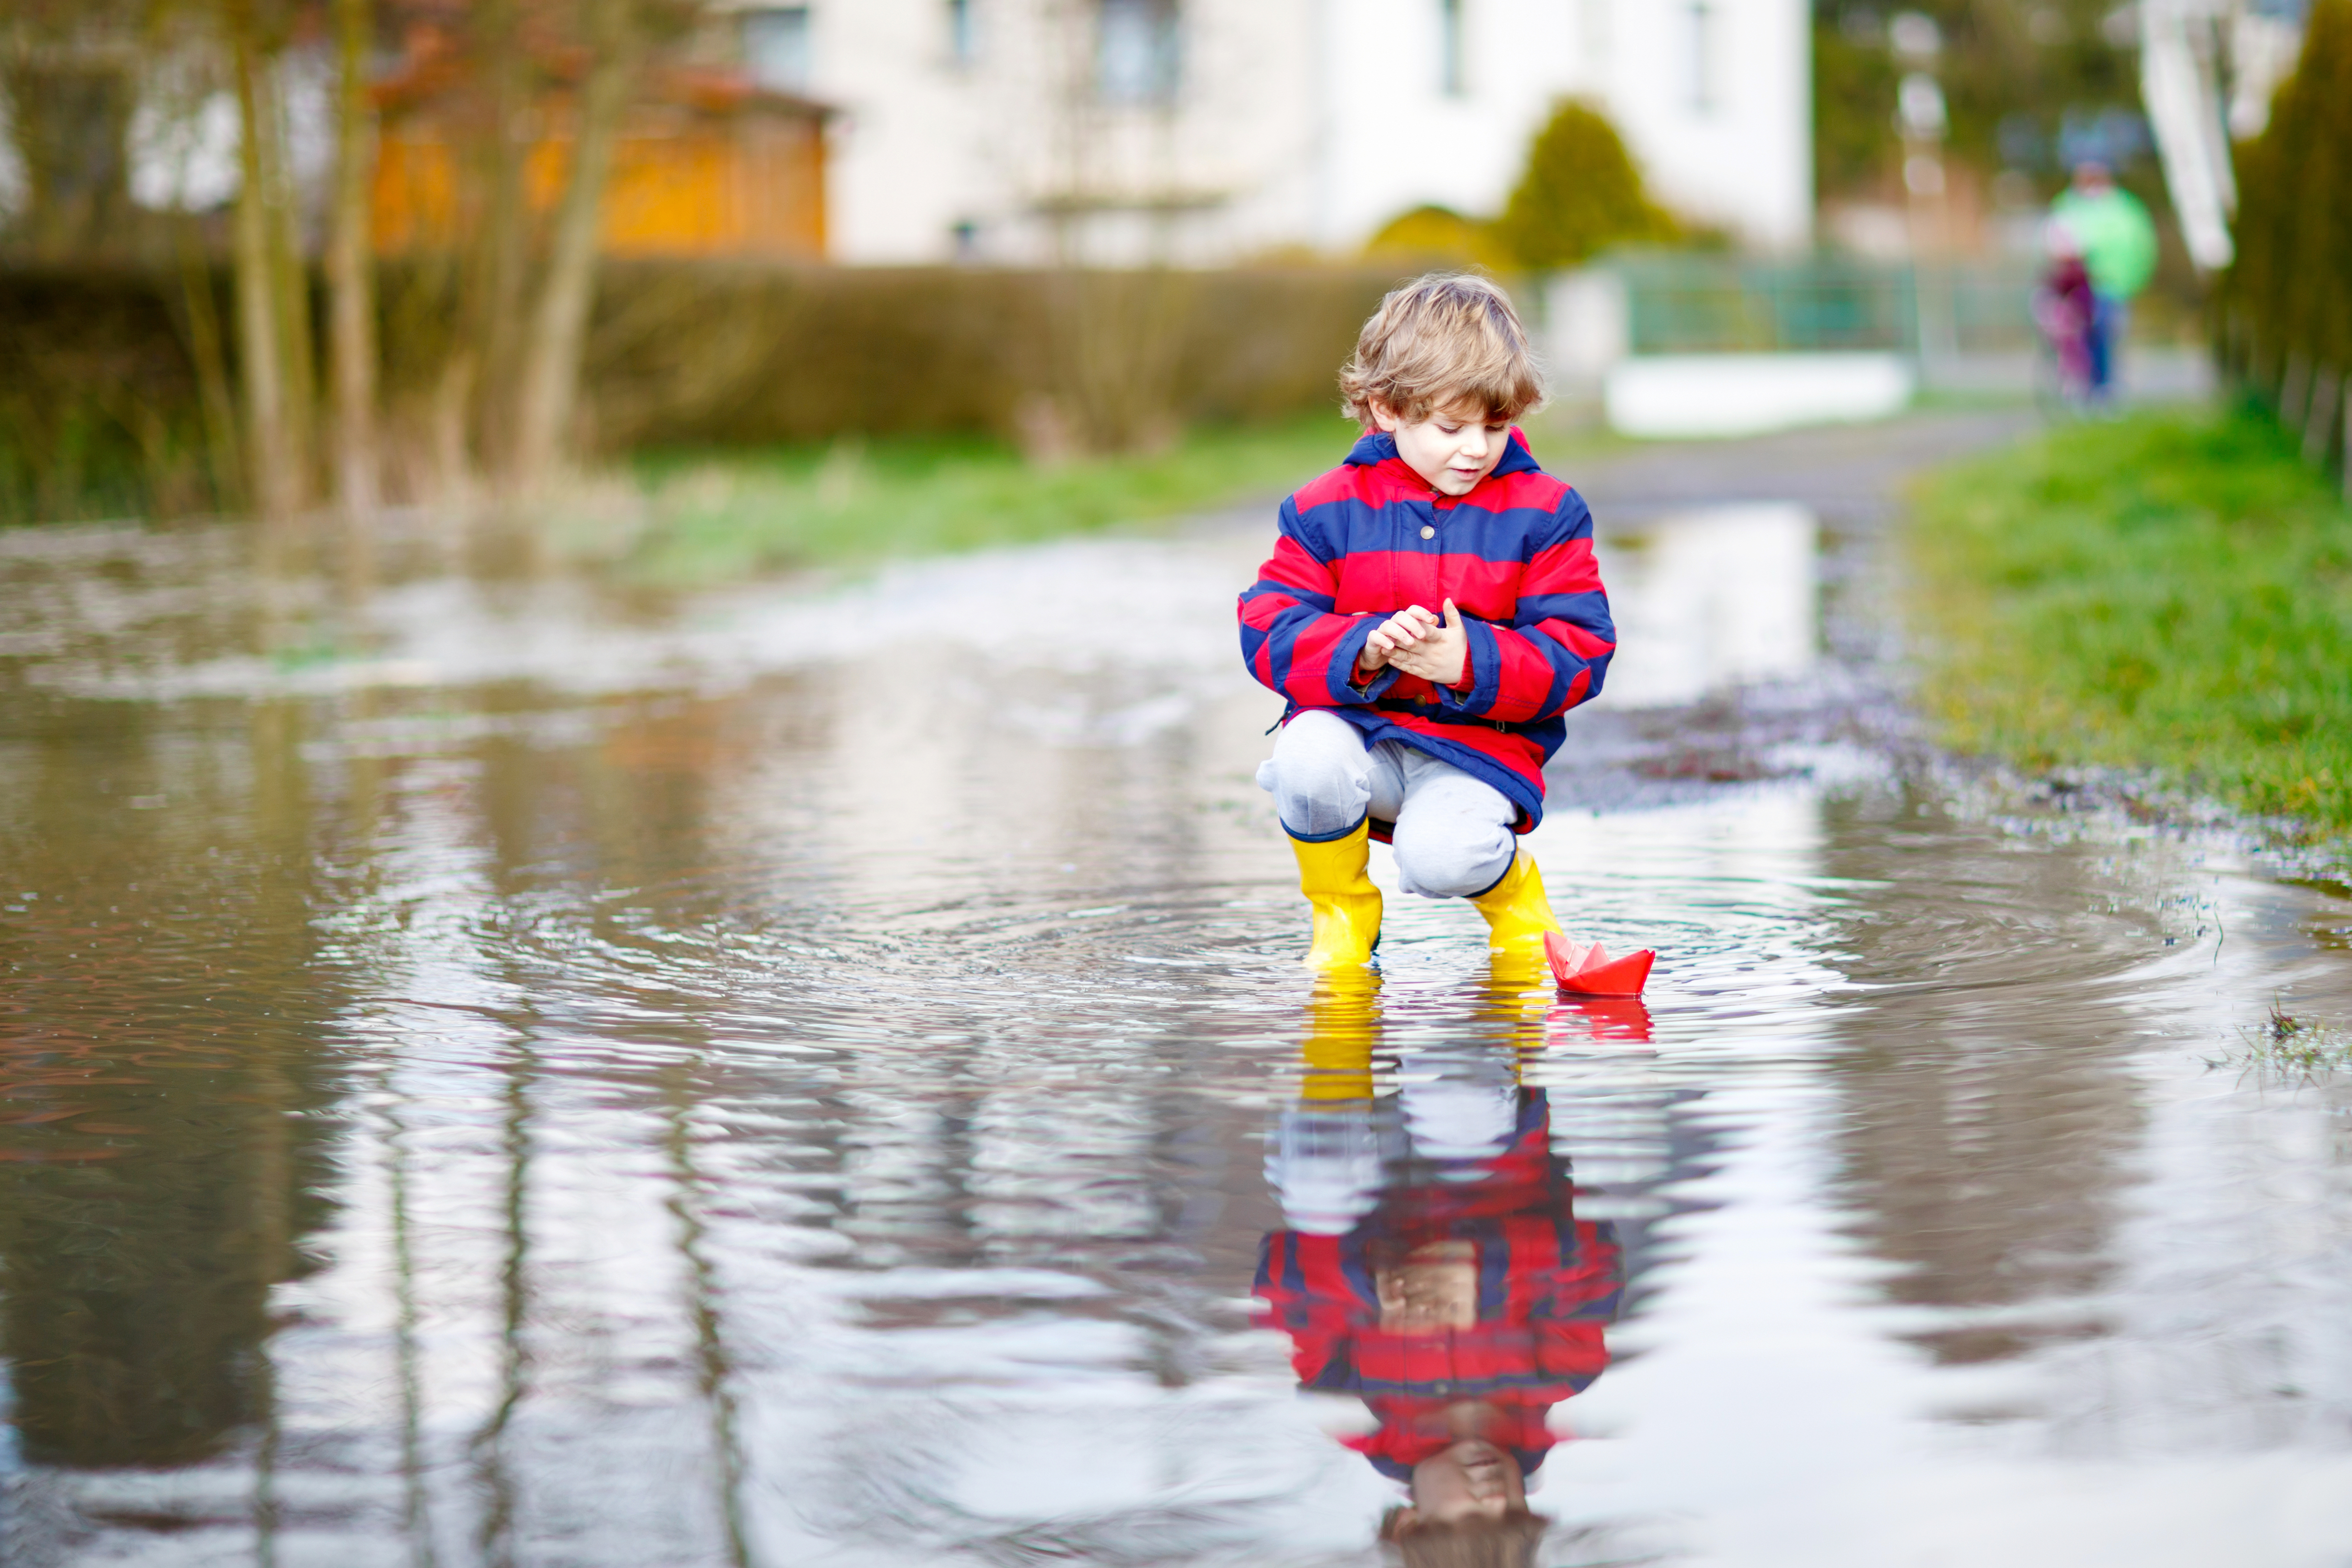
[{"x": 1588, "y": 971}]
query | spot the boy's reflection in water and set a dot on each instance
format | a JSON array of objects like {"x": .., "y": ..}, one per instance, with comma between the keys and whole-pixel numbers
[{"x": 1433, "y": 1267}]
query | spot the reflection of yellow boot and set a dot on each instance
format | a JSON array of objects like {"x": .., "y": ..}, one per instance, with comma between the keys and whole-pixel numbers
[
  {"x": 1518, "y": 969},
  {"x": 1512, "y": 974},
  {"x": 1518, "y": 913},
  {"x": 1347, "y": 905},
  {"x": 1325, "y": 1166},
  {"x": 1342, "y": 1022}
]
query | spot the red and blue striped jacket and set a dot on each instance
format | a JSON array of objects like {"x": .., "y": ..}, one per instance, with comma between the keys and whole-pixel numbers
[{"x": 1515, "y": 555}]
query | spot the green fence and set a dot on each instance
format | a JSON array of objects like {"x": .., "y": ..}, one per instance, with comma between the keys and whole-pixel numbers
[{"x": 1684, "y": 304}]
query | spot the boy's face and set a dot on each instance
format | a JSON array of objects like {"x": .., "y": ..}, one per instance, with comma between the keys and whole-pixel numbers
[{"x": 1453, "y": 448}]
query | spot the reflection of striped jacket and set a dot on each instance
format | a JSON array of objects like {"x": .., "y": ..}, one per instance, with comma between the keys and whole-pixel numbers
[
  {"x": 1547, "y": 1283},
  {"x": 1515, "y": 555}
]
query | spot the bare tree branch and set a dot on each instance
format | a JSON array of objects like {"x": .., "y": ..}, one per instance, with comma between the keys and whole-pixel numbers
[{"x": 351, "y": 268}]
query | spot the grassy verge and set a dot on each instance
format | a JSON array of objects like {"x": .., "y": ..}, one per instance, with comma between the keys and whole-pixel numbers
[
  {"x": 716, "y": 516},
  {"x": 2167, "y": 591}
]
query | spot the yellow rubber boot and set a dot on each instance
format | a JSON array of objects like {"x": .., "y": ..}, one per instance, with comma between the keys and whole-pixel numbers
[
  {"x": 1518, "y": 913},
  {"x": 1347, "y": 905}
]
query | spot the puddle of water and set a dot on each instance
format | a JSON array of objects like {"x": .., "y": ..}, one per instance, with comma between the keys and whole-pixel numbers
[
  {"x": 493, "y": 1074},
  {"x": 1709, "y": 601}
]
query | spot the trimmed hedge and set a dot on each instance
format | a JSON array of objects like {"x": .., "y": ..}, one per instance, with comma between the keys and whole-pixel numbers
[
  {"x": 101, "y": 412},
  {"x": 744, "y": 354},
  {"x": 2287, "y": 301}
]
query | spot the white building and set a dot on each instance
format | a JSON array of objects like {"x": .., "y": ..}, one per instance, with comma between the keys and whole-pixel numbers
[{"x": 1203, "y": 131}]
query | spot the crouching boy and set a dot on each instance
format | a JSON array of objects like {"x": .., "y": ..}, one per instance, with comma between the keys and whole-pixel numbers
[{"x": 1429, "y": 614}]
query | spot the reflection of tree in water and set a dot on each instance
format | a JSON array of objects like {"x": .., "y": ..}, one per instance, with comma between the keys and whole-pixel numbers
[
  {"x": 1987, "y": 1117},
  {"x": 158, "y": 1161},
  {"x": 139, "y": 1285}
]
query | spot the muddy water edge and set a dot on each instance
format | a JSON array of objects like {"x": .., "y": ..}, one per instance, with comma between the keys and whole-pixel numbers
[{"x": 500, "y": 1072}]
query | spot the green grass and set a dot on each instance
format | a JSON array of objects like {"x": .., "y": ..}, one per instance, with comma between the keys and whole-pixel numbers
[
  {"x": 2166, "y": 592},
  {"x": 2290, "y": 1047},
  {"x": 717, "y": 516}
]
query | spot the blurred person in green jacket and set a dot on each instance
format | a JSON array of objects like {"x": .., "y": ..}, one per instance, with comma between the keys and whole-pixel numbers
[{"x": 2117, "y": 240}]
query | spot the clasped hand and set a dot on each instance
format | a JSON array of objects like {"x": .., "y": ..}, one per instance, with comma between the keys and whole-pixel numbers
[{"x": 1433, "y": 646}]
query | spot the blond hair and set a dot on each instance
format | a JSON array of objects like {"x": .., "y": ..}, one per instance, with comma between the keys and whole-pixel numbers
[
  {"x": 1449, "y": 341},
  {"x": 1509, "y": 1541}
]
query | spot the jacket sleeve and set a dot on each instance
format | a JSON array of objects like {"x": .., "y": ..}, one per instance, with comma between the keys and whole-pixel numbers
[
  {"x": 1301, "y": 1290},
  {"x": 1291, "y": 639},
  {"x": 1556, "y": 650}
]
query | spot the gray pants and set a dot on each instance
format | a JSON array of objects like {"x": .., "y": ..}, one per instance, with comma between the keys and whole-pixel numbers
[{"x": 1453, "y": 833}]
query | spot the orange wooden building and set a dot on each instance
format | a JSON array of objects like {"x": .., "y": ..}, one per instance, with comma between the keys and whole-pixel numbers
[{"x": 707, "y": 164}]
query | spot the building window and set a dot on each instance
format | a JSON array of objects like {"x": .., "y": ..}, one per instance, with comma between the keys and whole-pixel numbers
[
  {"x": 1449, "y": 70},
  {"x": 776, "y": 48},
  {"x": 1705, "y": 24},
  {"x": 963, "y": 33},
  {"x": 1137, "y": 55}
]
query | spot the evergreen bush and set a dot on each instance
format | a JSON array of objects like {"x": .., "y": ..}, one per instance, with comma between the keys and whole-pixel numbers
[
  {"x": 2288, "y": 298},
  {"x": 1434, "y": 236},
  {"x": 1579, "y": 193}
]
